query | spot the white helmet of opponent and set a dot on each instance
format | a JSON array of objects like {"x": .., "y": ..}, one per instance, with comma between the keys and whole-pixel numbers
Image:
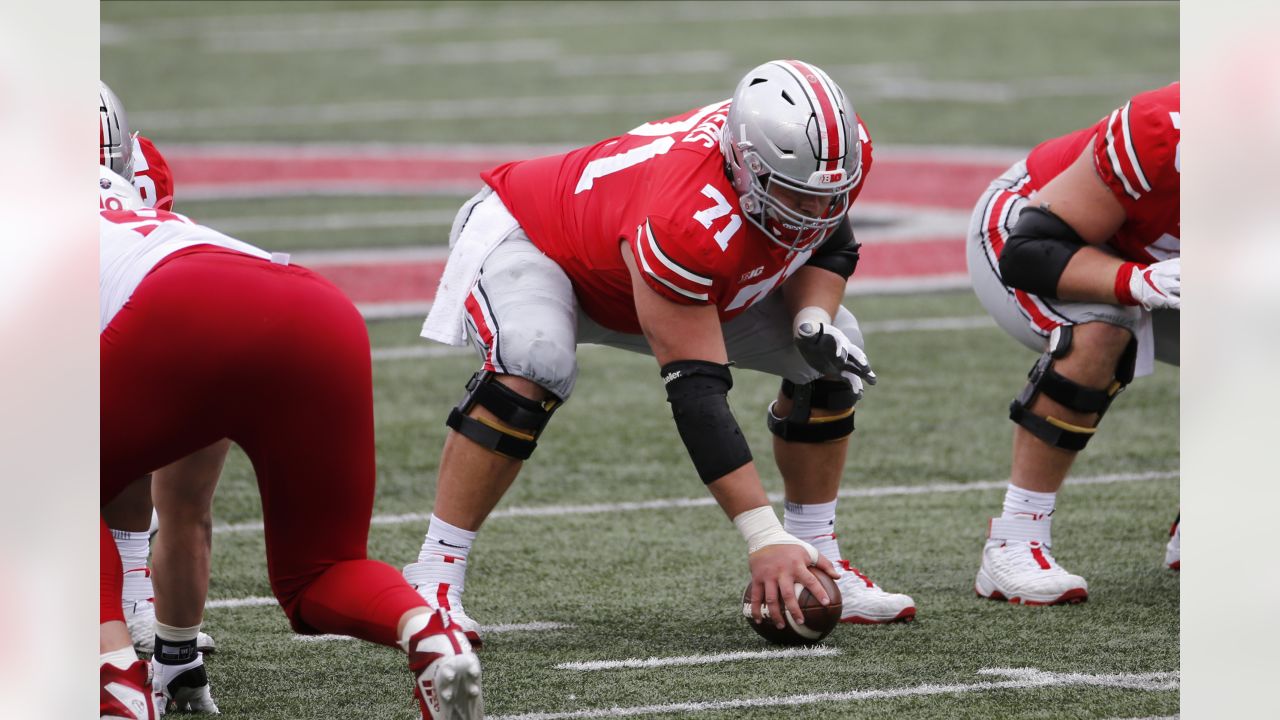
[
  {"x": 115, "y": 142},
  {"x": 793, "y": 152}
]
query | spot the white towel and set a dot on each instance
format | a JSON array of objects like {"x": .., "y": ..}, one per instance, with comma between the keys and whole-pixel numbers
[
  {"x": 480, "y": 226},
  {"x": 1146, "y": 361}
]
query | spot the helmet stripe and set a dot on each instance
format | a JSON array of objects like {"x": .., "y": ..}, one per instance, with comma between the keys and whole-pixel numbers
[{"x": 830, "y": 129}]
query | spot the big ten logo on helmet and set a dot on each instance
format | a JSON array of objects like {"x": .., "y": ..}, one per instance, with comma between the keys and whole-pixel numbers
[{"x": 708, "y": 131}]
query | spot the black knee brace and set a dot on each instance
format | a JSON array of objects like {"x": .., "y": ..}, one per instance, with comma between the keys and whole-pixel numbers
[
  {"x": 1065, "y": 391},
  {"x": 524, "y": 418},
  {"x": 800, "y": 425}
]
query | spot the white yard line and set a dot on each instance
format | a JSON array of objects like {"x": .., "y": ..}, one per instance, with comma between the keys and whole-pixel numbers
[
  {"x": 670, "y": 503},
  {"x": 653, "y": 662},
  {"x": 484, "y": 630},
  {"x": 1015, "y": 679}
]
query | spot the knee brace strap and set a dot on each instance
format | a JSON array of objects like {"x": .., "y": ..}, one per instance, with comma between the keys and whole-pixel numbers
[
  {"x": 1065, "y": 391},
  {"x": 800, "y": 425},
  {"x": 525, "y": 417}
]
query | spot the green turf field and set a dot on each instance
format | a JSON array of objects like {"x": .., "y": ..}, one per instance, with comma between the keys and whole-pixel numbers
[{"x": 666, "y": 582}]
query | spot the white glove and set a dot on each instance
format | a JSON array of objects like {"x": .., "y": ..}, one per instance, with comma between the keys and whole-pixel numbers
[
  {"x": 1157, "y": 286},
  {"x": 831, "y": 352},
  {"x": 183, "y": 687}
]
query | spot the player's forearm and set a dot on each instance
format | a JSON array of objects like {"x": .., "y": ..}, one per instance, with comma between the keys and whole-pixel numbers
[
  {"x": 813, "y": 287},
  {"x": 1090, "y": 276},
  {"x": 739, "y": 491}
]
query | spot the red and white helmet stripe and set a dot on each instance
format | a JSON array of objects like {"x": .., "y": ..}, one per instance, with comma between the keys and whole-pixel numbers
[{"x": 826, "y": 107}]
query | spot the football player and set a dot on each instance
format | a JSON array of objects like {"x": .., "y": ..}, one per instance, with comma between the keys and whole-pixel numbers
[
  {"x": 131, "y": 516},
  {"x": 1075, "y": 252},
  {"x": 204, "y": 337},
  {"x": 712, "y": 238}
]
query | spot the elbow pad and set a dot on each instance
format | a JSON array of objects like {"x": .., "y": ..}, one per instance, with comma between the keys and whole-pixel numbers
[
  {"x": 1037, "y": 252},
  {"x": 699, "y": 395},
  {"x": 839, "y": 253}
]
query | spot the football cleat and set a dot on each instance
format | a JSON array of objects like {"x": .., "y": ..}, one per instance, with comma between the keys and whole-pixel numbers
[
  {"x": 1017, "y": 565},
  {"x": 126, "y": 694},
  {"x": 1026, "y": 573},
  {"x": 182, "y": 688},
  {"x": 439, "y": 580},
  {"x": 446, "y": 671},
  {"x": 865, "y": 603},
  {"x": 1173, "y": 551}
]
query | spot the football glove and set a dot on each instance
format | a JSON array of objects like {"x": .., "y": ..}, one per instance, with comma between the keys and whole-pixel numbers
[
  {"x": 183, "y": 688},
  {"x": 829, "y": 351},
  {"x": 1155, "y": 287}
]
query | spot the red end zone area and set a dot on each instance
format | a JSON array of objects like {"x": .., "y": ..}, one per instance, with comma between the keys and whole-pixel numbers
[{"x": 911, "y": 217}]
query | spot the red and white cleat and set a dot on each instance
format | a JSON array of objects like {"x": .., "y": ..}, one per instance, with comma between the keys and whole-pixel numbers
[
  {"x": 439, "y": 580},
  {"x": 1018, "y": 566},
  {"x": 1173, "y": 551},
  {"x": 126, "y": 694},
  {"x": 446, "y": 671},
  {"x": 866, "y": 603}
]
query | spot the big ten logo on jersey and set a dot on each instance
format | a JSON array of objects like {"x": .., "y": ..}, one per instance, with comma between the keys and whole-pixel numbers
[{"x": 708, "y": 131}]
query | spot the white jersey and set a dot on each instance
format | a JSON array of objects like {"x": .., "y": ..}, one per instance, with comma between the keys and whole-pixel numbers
[{"x": 132, "y": 242}]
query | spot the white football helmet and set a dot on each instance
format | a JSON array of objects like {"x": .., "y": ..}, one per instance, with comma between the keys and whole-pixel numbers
[
  {"x": 793, "y": 152},
  {"x": 115, "y": 143}
]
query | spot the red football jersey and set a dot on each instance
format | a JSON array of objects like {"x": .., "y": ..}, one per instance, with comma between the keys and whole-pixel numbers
[
  {"x": 151, "y": 175},
  {"x": 1136, "y": 153},
  {"x": 662, "y": 187}
]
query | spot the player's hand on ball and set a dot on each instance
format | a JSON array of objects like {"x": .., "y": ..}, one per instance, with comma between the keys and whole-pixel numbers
[
  {"x": 829, "y": 351},
  {"x": 775, "y": 570}
]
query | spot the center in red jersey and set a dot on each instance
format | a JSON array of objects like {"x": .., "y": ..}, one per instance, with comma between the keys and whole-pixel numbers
[{"x": 662, "y": 188}]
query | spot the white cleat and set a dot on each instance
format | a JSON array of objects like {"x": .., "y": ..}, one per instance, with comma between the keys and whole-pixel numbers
[
  {"x": 446, "y": 671},
  {"x": 1173, "y": 551},
  {"x": 439, "y": 580},
  {"x": 866, "y": 603},
  {"x": 1018, "y": 566}
]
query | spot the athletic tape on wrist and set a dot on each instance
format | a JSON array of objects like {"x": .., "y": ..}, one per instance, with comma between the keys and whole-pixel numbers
[
  {"x": 810, "y": 314},
  {"x": 760, "y": 528}
]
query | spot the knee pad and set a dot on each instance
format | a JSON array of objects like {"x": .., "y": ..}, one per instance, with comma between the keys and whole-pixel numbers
[
  {"x": 800, "y": 425},
  {"x": 522, "y": 417},
  {"x": 1065, "y": 391}
]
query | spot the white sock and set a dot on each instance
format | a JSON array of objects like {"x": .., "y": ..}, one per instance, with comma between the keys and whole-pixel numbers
[
  {"x": 413, "y": 626},
  {"x": 134, "y": 548},
  {"x": 1018, "y": 501},
  {"x": 122, "y": 658},
  {"x": 814, "y": 524},
  {"x": 445, "y": 539}
]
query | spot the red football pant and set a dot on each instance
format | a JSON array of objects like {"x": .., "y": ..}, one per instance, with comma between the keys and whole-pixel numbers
[{"x": 215, "y": 343}]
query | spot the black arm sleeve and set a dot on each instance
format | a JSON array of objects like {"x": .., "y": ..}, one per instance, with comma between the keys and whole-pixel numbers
[
  {"x": 1037, "y": 252},
  {"x": 839, "y": 253},
  {"x": 698, "y": 392}
]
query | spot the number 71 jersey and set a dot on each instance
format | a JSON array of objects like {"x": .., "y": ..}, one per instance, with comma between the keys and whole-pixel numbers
[{"x": 663, "y": 189}]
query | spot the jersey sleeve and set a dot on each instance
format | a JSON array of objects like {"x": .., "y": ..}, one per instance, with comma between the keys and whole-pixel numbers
[
  {"x": 1135, "y": 151},
  {"x": 151, "y": 175},
  {"x": 671, "y": 264},
  {"x": 865, "y": 138}
]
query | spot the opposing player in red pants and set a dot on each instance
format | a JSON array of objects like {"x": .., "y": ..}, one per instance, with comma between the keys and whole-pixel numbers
[{"x": 204, "y": 337}]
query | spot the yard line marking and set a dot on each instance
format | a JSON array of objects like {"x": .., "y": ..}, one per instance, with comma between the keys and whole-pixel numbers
[
  {"x": 1016, "y": 679},
  {"x": 240, "y": 602},
  {"x": 484, "y": 629},
  {"x": 819, "y": 651},
  {"x": 670, "y": 503},
  {"x": 965, "y": 322}
]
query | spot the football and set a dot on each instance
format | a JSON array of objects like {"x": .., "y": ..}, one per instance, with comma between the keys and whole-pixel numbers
[{"x": 819, "y": 619}]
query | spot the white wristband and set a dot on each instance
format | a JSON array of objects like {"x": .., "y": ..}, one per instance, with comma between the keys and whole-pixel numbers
[
  {"x": 812, "y": 314},
  {"x": 760, "y": 528}
]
